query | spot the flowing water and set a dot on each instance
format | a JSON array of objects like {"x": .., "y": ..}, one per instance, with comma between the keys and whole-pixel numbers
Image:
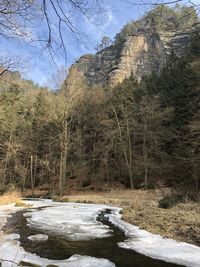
[{"x": 58, "y": 248}]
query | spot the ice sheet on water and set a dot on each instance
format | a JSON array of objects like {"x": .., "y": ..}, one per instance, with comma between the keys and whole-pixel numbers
[
  {"x": 155, "y": 246},
  {"x": 139, "y": 240},
  {"x": 73, "y": 221},
  {"x": 38, "y": 238},
  {"x": 74, "y": 261},
  {"x": 11, "y": 254},
  {"x": 11, "y": 237}
]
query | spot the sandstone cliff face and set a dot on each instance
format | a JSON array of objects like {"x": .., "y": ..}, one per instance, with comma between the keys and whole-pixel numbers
[{"x": 139, "y": 54}]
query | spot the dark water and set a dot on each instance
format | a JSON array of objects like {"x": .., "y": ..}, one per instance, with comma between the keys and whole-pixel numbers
[{"x": 59, "y": 248}]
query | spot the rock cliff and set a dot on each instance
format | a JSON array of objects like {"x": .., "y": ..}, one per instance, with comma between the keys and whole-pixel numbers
[{"x": 139, "y": 54}]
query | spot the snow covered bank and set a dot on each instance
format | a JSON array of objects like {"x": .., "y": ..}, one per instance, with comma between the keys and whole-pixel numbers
[
  {"x": 155, "y": 246},
  {"x": 5, "y": 212}
]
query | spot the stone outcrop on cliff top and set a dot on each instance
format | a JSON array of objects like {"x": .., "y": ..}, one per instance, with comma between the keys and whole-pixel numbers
[{"x": 139, "y": 54}]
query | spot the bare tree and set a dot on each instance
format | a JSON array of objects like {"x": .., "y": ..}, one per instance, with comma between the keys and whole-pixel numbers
[
  {"x": 193, "y": 140},
  {"x": 10, "y": 64},
  {"x": 45, "y": 21},
  {"x": 121, "y": 105}
]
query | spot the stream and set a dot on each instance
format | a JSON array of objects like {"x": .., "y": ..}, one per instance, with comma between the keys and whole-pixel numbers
[{"x": 59, "y": 248}]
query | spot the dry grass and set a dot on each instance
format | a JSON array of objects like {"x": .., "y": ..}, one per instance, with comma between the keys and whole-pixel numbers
[
  {"x": 10, "y": 197},
  {"x": 117, "y": 196}
]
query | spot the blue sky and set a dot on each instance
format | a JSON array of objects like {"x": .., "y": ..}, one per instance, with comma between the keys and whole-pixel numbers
[{"x": 37, "y": 63}]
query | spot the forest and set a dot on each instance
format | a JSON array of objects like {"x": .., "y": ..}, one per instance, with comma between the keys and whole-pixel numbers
[{"x": 140, "y": 135}]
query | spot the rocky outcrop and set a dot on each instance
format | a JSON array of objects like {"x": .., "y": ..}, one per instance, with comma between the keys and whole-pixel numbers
[
  {"x": 139, "y": 55},
  {"x": 176, "y": 41}
]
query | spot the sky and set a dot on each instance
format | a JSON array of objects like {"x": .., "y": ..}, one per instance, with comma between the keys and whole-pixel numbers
[{"x": 37, "y": 64}]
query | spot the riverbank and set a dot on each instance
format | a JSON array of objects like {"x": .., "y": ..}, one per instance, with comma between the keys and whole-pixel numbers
[
  {"x": 58, "y": 215},
  {"x": 140, "y": 208}
]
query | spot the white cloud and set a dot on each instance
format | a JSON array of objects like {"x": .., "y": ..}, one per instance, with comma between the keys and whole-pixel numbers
[
  {"x": 97, "y": 30},
  {"x": 109, "y": 18}
]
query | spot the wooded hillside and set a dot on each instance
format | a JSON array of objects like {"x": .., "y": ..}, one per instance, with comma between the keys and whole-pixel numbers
[{"x": 139, "y": 135}]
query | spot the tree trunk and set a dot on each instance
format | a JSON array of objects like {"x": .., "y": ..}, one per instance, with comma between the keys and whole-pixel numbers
[
  {"x": 128, "y": 159},
  {"x": 61, "y": 169},
  {"x": 7, "y": 157},
  {"x": 145, "y": 155},
  {"x": 32, "y": 181}
]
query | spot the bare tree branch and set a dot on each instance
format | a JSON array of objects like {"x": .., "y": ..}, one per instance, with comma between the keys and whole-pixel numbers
[{"x": 26, "y": 19}]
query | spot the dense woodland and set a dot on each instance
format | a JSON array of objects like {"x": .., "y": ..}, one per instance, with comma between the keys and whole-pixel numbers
[{"x": 142, "y": 135}]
